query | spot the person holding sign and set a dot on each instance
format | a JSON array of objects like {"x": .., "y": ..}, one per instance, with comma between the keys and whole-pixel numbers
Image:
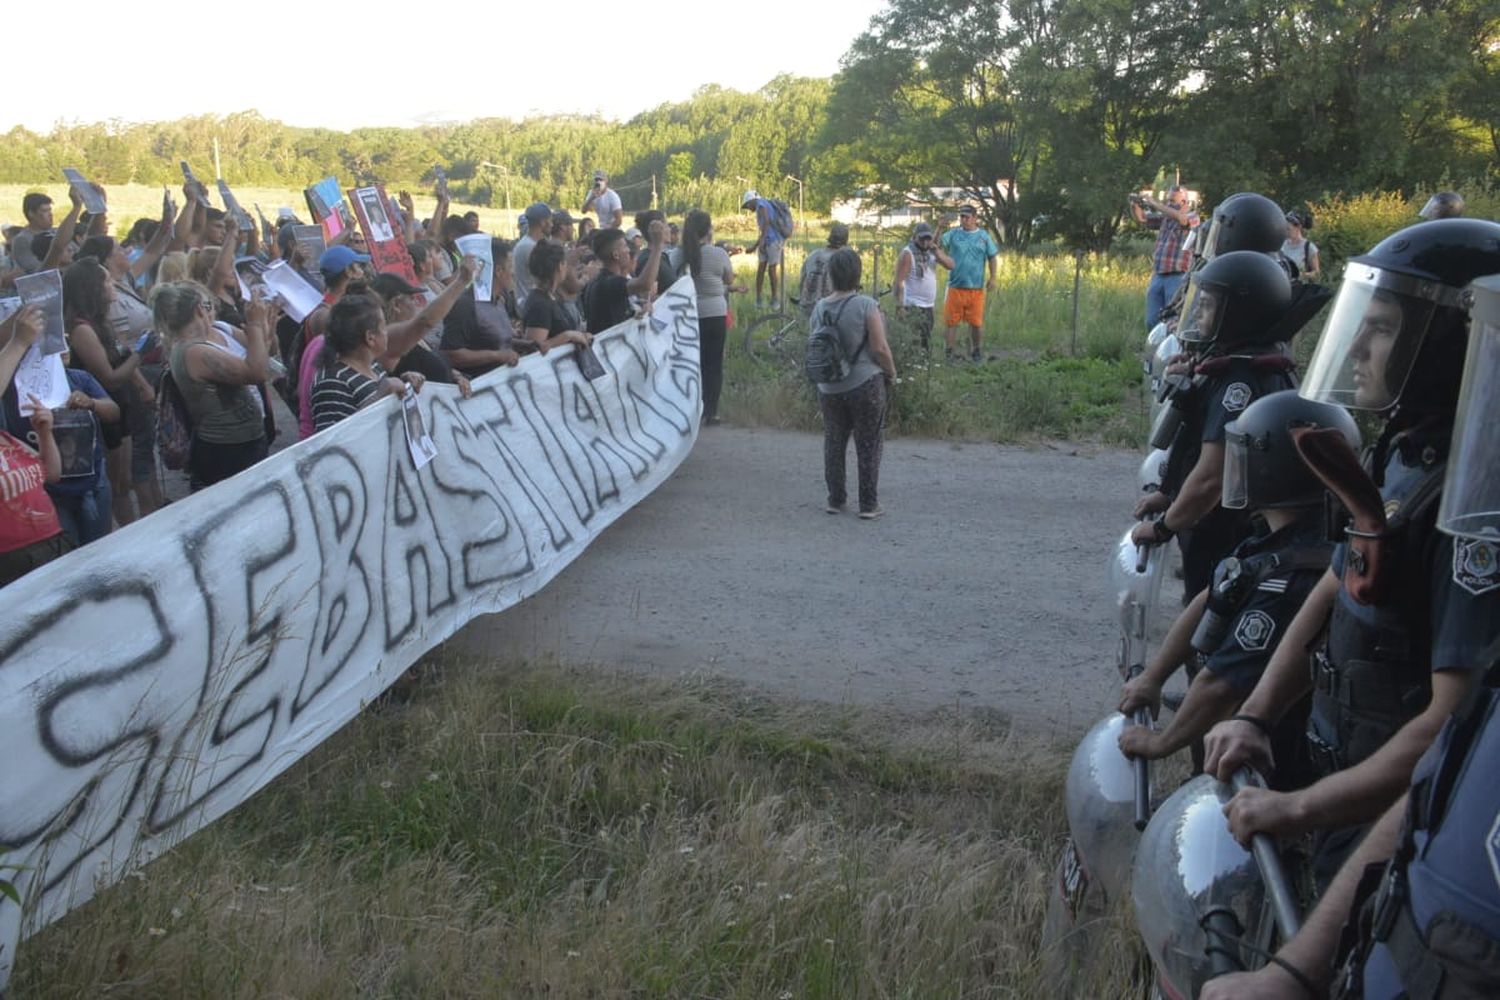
[
  {"x": 546, "y": 318},
  {"x": 351, "y": 376},
  {"x": 219, "y": 388},
  {"x": 87, "y": 296},
  {"x": 30, "y": 533}
]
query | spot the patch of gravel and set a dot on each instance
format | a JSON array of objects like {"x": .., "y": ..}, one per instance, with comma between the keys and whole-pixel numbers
[{"x": 984, "y": 588}]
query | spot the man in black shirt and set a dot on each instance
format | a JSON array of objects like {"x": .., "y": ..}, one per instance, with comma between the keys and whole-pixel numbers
[{"x": 606, "y": 299}]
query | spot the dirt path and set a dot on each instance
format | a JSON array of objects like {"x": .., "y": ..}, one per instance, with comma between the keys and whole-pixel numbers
[{"x": 984, "y": 586}]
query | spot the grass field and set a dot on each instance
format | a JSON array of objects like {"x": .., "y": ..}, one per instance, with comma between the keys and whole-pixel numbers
[
  {"x": 1038, "y": 382},
  {"x": 523, "y": 832}
]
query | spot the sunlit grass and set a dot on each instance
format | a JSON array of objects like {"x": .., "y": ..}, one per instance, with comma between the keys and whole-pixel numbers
[{"x": 522, "y": 832}]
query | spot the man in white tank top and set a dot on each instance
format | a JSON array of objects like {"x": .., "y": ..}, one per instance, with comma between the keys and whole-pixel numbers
[{"x": 916, "y": 281}]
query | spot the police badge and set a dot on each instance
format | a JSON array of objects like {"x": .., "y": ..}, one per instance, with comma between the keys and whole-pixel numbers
[{"x": 1475, "y": 566}]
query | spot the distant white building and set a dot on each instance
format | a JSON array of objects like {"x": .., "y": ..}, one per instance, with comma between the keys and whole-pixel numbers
[{"x": 934, "y": 204}]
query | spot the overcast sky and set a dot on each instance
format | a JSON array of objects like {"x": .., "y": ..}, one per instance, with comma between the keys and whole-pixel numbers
[{"x": 346, "y": 65}]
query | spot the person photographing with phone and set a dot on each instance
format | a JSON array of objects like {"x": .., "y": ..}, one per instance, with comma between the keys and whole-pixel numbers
[{"x": 605, "y": 203}]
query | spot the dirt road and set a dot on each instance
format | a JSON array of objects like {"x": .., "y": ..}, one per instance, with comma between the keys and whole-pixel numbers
[{"x": 984, "y": 586}]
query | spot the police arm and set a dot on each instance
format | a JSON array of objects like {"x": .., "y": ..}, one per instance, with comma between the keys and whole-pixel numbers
[
  {"x": 1357, "y": 794},
  {"x": 1197, "y": 498},
  {"x": 1233, "y": 744},
  {"x": 1209, "y": 699},
  {"x": 1176, "y": 647},
  {"x": 1313, "y": 950}
]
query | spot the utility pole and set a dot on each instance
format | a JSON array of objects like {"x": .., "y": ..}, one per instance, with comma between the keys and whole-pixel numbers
[{"x": 801, "y": 213}]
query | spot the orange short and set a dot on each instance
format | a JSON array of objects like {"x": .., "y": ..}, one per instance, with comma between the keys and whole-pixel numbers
[{"x": 964, "y": 305}]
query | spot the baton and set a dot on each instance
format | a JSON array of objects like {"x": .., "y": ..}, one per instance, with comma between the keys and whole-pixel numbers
[
  {"x": 1141, "y": 766},
  {"x": 1283, "y": 903}
]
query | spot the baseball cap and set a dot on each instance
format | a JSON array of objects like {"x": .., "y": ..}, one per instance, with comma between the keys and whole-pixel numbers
[
  {"x": 749, "y": 197},
  {"x": 967, "y": 210},
  {"x": 920, "y": 230},
  {"x": 599, "y": 175},
  {"x": 539, "y": 212},
  {"x": 336, "y": 260},
  {"x": 632, "y": 233},
  {"x": 561, "y": 215}
]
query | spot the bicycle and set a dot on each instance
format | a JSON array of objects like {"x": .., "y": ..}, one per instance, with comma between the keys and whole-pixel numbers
[{"x": 781, "y": 333}]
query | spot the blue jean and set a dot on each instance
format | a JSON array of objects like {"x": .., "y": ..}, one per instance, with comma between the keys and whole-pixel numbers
[
  {"x": 85, "y": 517},
  {"x": 1163, "y": 289}
]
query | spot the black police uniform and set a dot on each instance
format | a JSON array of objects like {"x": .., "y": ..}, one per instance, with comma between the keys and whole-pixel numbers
[
  {"x": 1433, "y": 930},
  {"x": 1280, "y": 569},
  {"x": 1375, "y": 673},
  {"x": 1208, "y": 408}
]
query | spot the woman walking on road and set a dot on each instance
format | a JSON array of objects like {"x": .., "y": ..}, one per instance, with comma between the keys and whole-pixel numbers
[{"x": 855, "y": 405}]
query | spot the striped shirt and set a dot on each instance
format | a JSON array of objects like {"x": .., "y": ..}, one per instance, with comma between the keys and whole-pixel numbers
[{"x": 341, "y": 391}]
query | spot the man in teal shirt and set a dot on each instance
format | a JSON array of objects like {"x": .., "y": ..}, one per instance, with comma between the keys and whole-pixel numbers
[{"x": 973, "y": 251}]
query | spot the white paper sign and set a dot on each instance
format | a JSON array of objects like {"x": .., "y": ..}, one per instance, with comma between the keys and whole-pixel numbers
[
  {"x": 43, "y": 376},
  {"x": 156, "y": 679},
  {"x": 423, "y": 449},
  {"x": 297, "y": 297},
  {"x": 478, "y": 245}
]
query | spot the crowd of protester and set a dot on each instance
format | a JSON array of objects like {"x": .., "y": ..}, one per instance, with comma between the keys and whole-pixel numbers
[{"x": 161, "y": 311}]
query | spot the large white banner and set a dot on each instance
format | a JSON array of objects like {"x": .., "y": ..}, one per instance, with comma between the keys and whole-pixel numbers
[{"x": 155, "y": 679}]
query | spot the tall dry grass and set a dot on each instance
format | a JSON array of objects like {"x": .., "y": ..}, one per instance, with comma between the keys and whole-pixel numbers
[{"x": 521, "y": 832}]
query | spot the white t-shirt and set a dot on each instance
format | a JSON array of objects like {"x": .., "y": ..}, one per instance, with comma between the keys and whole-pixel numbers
[
  {"x": 606, "y": 205},
  {"x": 920, "y": 287}
]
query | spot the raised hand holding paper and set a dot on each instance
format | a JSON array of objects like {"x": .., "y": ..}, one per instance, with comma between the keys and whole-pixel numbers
[
  {"x": 93, "y": 201},
  {"x": 44, "y": 290},
  {"x": 477, "y": 245}
]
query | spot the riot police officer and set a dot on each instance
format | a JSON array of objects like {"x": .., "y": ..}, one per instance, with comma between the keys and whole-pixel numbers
[
  {"x": 1411, "y": 612},
  {"x": 1256, "y": 592},
  {"x": 1432, "y": 930},
  {"x": 1232, "y": 302}
]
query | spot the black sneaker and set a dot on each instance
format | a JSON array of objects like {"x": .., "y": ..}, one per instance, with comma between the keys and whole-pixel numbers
[{"x": 976, "y": 355}]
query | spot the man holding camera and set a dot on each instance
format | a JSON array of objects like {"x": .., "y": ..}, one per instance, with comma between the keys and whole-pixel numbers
[
  {"x": 1172, "y": 258},
  {"x": 605, "y": 202}
]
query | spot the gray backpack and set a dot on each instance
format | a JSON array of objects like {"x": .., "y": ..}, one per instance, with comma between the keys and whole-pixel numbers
[{"x": 826, "y": 360}]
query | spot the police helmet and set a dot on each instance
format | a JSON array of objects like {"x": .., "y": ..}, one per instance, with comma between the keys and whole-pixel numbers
[
  {"x": 1471, "y": 485},
  {"x": 1187, "y": 864},
  {"x": 1244, "y": 221},
  {"x": 1233, "y": 301},
  {"x": 1262, "y": 468},
  {"x": 1395, "y": 335}
]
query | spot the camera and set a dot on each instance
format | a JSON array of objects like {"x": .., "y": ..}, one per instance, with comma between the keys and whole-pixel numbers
[{"x": 1135, "y": 199}]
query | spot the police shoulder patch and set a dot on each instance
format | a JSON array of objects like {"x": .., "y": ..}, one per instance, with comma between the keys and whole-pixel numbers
[
  {"x": 1236, "y": 397},
  {"x": 1476, "y": 567},
  {"x": 1254, "y": 631}
]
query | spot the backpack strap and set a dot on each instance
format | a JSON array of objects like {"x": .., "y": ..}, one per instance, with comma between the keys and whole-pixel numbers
[{"x": 834, "y": 322}]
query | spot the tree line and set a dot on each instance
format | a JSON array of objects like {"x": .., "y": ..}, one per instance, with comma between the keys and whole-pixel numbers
[{"x": 1048, "y": 110}]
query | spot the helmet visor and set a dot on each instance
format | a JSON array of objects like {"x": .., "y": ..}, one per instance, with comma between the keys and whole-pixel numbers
[
  {"x": 1201, "y": 313},
  {"x": 1237, "y": 446},
  {"x": 1207, "y": 247},
  {"x": 1471, "y": 490},
  {"x": 1377, "y": 324}
]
